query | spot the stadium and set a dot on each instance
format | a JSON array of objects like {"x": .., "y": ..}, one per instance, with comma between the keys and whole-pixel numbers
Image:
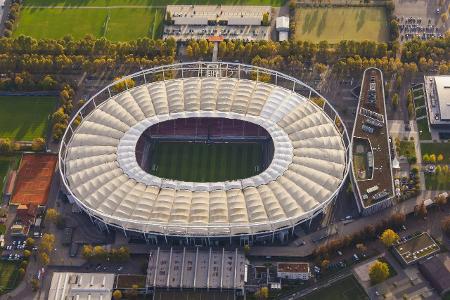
[{"x": 205, "y": 151}]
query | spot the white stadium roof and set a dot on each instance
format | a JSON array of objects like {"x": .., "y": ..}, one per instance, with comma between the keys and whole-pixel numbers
[{"x": 103, "y": 176}]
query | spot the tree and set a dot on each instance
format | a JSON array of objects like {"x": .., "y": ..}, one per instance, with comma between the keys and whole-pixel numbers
[
  {"x": 59, "y": 116},
  {"x": 440, "y": 157},
  {"x": 262, "y": 293},
  {"x": 38, "y": 144},
  {"x": 21, "y": 272},
  {"x": 389, "y": 237},
  {"x": 446, "y": 225},
  {"x": 266, "y": 19},
  {"x": 99, "y": 252},
  {"x": 441, "y": 200},
  {"x": 117, "y": 295},
  {"x": 438, "y": 169},
  {"x": 246, "y": 248},
  {"x": 133, "y": 292},
  {"x": 26, "y": 253},
  {"x": 5, "y": 145},
  {"x": 426, "y": 158},
  {"x": 47, "y": 243},
  {"x": 433, "y": 158},
  {"x": 122, "y": 85},
  {"x": 395, "y": 101},
  {"x": 29, "y": 242},
  {"x": 378, "y": 272},
  {"x": 444, "y": 17},
  {"x": 421, "y": 210},
  {"x": 361, "y": 247},
  {"x": 325, "y": 263},
  {"x": 44, "y": 258},
  {"x": 87, "y": 252},
  {"x": 35, "y": 284},
  {"x": 397, "y": 219},
  {"x": 123, "y": 254},
  {"x": 51, "y": 215}
]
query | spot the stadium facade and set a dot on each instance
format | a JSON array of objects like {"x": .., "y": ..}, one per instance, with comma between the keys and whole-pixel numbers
[{"x": 101, "y": 171}]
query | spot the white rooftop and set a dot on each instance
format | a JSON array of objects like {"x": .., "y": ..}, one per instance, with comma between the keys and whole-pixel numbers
[
  {"x": 443, "y": 95},
  {"x": 282, "y": 23},
  {"x": 81, "y": 286}
]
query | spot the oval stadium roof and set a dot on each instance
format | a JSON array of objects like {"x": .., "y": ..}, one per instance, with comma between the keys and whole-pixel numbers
[{"x": 309, "y": 164}]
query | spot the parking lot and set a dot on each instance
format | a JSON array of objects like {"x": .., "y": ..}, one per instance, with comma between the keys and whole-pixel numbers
[{"x": 411, "y": 27}]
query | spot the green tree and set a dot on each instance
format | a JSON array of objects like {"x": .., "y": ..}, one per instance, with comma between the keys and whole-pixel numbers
[
  {"x": 117, "y": 295},
  {"x": 38, "y": 144},
  {"x": 395, "y": 101},
  {"x": 389, "y": 237},
  {"x": 5, "y": 145},
  {"x": 29, "y": 242},
  {"x": 51, "y": 215},
  {"x": 378, "y": 272},
  {"x": 87, "y": 251},
  {"x": 26, "y": 253},
  {"x": 262, "y": 293}
]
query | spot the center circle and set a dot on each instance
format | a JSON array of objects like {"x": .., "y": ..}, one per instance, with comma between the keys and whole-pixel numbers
[{"x": 204, "y": 149}]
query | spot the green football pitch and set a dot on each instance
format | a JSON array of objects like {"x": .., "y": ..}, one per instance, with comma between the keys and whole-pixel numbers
[
  {"x": 202, "y": 162},
  {"x": 24, "y": 118}
]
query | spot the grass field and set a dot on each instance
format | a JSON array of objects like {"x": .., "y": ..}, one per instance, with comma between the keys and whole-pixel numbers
[
  {"x": 5, "y": 163},
  {"x": 200, "y": 162},
  {"x": 117, "y": 20},
  {"x": 407, "y": 149},
  {"x": 424, "y": 130},
  {"x": 440, "y": 181},
  {"x": 78, "y": 22},
  {"x": 8, "y": 274},
  {"x": 345, "y": 289},
  {"x": 25, "y": 118},
  {"x": 341, "y": 23}
]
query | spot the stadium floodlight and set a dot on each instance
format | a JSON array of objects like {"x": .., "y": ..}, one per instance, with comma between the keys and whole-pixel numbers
[{"x": 101, "y": 174}]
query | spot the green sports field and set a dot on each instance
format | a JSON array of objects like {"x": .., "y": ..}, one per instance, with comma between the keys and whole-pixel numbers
[
  {"x": 201, "y": 162},
  {"x": 116, "y": 24},
  {"x": 345, "y": 289},
  {"x": 6, "y": 162},
  {"x": 341, "y": 23},
  {"x": 25, "y": 118},
  {"x": 117, "y": 20}
]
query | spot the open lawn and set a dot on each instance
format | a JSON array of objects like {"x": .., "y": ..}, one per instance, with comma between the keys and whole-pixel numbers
[
  {"x": 25, "y": 118},
  {"x": 8, "y": 274},
  {"x": 436, "y": 148},
  {"x": 201, "y": 162},
  {"x": 341, "y": 23},
  {"x": 424, "y": 130},
  {"x": 114, "y": 23},
  {"x": 345, "y": 289},
  {"x": 437, "y": 182},
  {"x": 6, "y": 162},
  {"x": 407, "y": 149}
]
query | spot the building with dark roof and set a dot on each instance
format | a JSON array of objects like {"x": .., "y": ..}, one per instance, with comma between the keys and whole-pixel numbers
[{"x": 436, "y": 270}]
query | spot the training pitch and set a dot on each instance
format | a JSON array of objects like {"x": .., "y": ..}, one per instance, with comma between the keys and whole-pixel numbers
[
  {"x": 205, "y": 162},
  {"x": 25, "y": 118},
  {"x": 345, "y": 289},
  {"x": 341, "y": 23}
]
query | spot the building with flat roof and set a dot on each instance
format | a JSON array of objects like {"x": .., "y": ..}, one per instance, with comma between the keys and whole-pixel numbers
[
  {"x": 196, "y": 269},
  {"x": 371, "y": 162},
  {"x": 282, "y": 27},
  {"x": 437, "y": 90},
  {"x": 436, "y": 270},
  {"x": 293, "y": 270},
  {"x": 81, "y": 286},
  {"x": 185, "y": 22},
  {"x": 415, "y": 248}
]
